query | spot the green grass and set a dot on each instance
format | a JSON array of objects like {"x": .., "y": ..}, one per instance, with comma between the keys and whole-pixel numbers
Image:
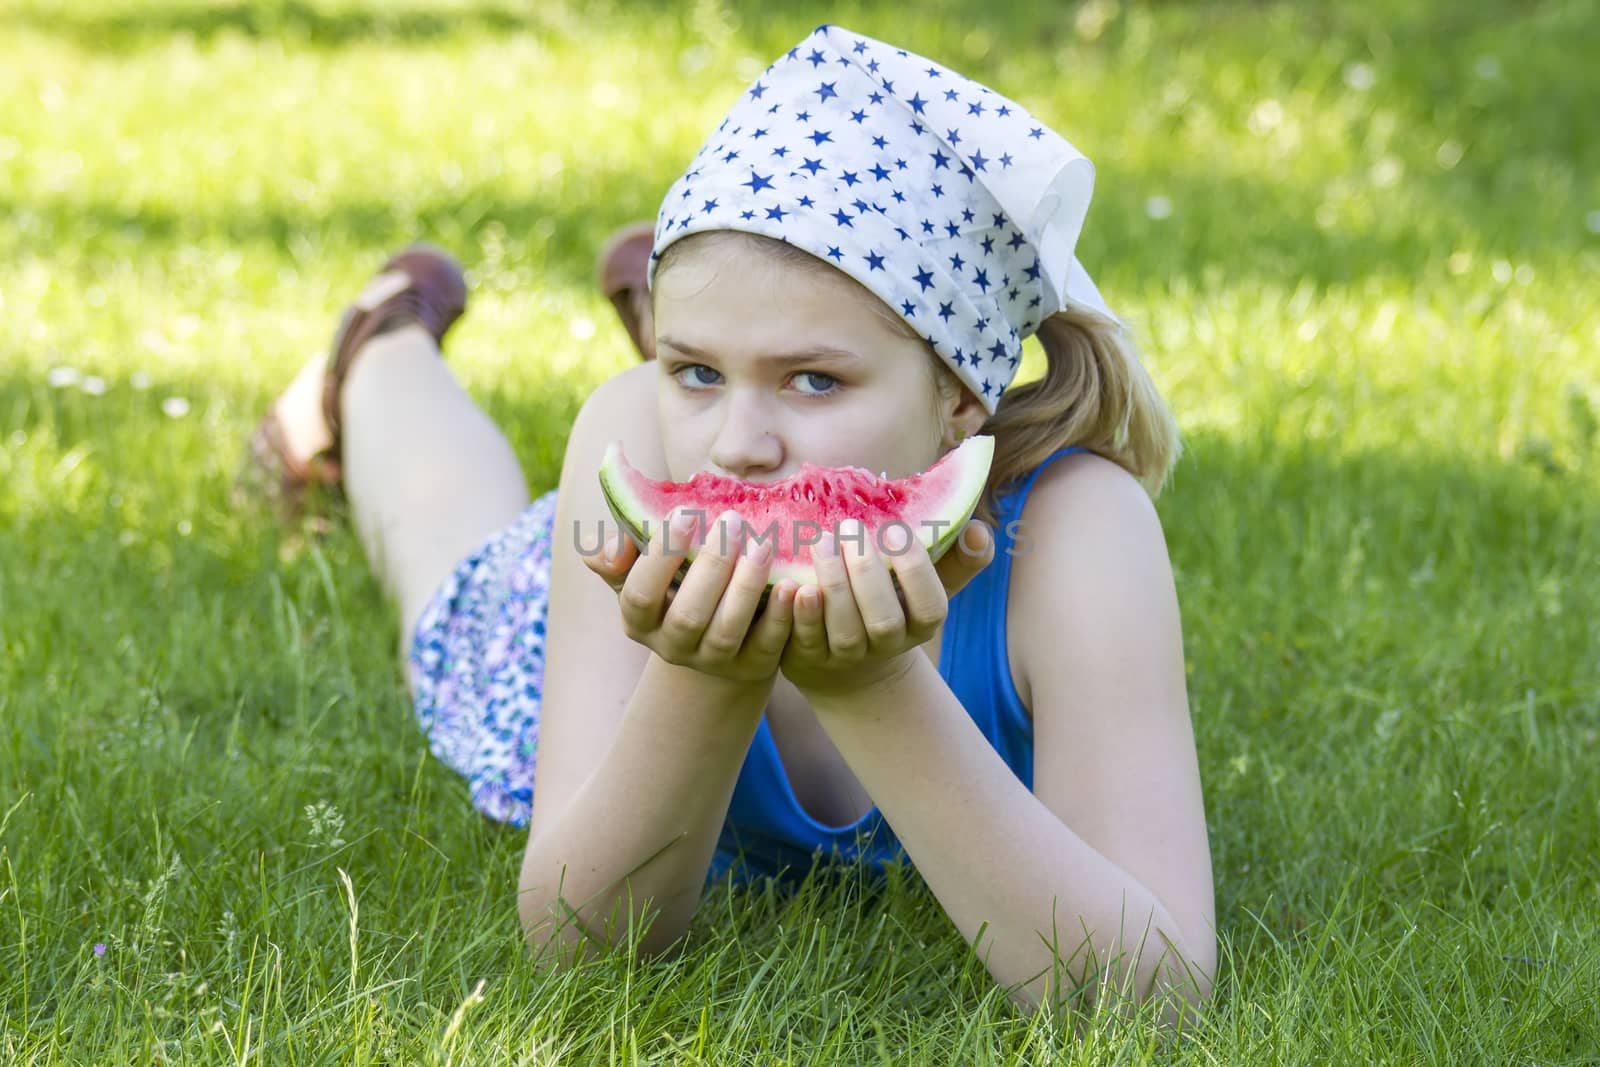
[{"x": 1372, "y": 307}]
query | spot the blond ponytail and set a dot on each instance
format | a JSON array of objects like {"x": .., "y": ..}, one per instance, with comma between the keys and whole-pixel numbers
[{"x": 1096, "y": 394}]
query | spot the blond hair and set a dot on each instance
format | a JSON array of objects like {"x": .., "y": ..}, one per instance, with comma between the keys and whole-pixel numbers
[{"x": 1095, "y": 394}]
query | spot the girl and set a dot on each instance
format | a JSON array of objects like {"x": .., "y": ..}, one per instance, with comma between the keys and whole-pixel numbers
[{"x": 844, "y": 276}]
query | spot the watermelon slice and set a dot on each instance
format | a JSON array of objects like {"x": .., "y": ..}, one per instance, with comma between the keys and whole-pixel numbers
[{"x": 791, "y": 514}]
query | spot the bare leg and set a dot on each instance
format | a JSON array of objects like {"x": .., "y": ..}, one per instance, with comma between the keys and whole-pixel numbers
[{"x": 428, "y": 475}]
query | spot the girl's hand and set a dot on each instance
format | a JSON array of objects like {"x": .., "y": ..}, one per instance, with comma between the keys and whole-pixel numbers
[
  {"x": 709, "y": 621},
  {"x": 857, "y": 628}
]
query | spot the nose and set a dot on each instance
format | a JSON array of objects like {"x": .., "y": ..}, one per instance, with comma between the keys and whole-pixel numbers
[{"x": 745, "y": 445}]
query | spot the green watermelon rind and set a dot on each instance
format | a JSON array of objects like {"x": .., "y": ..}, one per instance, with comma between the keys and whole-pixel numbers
[
  {"x": 972, "y": 459},
  {"x": 971, "y": 479}
]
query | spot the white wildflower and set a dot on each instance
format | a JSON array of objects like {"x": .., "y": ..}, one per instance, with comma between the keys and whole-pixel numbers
[
  {"x": 1387, "y": 172},
  {"x": 327, "y": 825},
  {"x": 1266, "y": 117},
  {"x": 1360, "y": 76}
]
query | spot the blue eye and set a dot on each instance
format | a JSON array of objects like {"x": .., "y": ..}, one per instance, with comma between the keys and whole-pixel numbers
[
  {"x": 829, "y": 380},
  {"x": 695, "y": 379}
]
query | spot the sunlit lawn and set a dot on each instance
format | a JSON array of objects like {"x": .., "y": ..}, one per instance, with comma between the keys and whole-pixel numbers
[{"x": 1361, "y": 244}]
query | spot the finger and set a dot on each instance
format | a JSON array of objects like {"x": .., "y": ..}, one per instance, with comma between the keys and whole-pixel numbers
[
  {"x": 614, "y": 559},
  {"x": 922, "y": 596},
  {"x": 973, "y": 551},
  {"x": 882, "y": 620},
  {"x": 695, "y": 602},
  {"x": 847, "y": 639},
  {"x": 731, "y": 623},
  {"x": 809, "y": 635},
  {"x": 644, "y": 592},
  {"x": 771, "y": 631}
]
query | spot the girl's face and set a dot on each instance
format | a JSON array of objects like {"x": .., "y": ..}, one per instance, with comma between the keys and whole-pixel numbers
[{"x": 766, "y": 364}]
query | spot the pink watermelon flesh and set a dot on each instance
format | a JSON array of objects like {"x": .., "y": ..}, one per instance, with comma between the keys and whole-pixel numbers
[{"x": 790, "y": 514}]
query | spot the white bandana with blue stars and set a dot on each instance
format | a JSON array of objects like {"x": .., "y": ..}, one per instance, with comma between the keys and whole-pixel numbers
[{"x": 948, "y": 201}]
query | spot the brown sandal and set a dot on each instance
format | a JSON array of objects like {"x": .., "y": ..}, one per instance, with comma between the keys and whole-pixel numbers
[
  {"x": 421, "y": 285},
  {"x": 623, "y": 268}
]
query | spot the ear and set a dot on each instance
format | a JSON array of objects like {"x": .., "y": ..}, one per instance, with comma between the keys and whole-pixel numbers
[{"x": 964, "y": 418}]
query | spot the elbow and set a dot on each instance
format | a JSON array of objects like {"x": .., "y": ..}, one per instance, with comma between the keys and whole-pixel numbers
[
  {"x": 1179, "y": 985},
  {"x": 1173, "y": 976},
  {"x": 1176, "y": 970},
  {"x": 1167, "y": 968},
  {"x": 1170, "y": 977},
  {"x": 563, "y": 934},
  {"x": 547, "y": 937}
]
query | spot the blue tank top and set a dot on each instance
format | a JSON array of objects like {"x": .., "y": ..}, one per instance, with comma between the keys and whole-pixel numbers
[{"x": 772, "y": 834}]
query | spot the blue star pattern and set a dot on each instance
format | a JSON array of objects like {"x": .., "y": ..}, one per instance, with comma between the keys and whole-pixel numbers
[{"x": 952, "y": 204}]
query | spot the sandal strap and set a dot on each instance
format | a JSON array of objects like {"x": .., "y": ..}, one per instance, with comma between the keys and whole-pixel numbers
[
  {"x": 271, "y": 471},
  {"x": 422, "y": 285},
  {"x": 271, "y": 446}
]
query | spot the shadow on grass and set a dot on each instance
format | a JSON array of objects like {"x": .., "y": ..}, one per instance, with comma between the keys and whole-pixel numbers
[
  {"x": 1248, "y": 225},
  {"x": 1426, "y": 50},
  {"x": 1277, "y": 242},
  {"x": 291, "y": 21},
  {"x": 570, "y": 232}
]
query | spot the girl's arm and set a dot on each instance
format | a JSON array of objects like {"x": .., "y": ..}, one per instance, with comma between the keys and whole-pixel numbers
[
  {"x": 643, "y": 826},
  {"x": 637, "y": 758},
  {"x": 1107, "y": 858}
]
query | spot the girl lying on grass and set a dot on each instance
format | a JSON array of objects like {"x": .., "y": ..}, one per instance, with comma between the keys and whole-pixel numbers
[{"x": 844, "y": 276}]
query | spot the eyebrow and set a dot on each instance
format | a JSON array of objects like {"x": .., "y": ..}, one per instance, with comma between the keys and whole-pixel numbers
[{"x": 813, "y": 354}]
